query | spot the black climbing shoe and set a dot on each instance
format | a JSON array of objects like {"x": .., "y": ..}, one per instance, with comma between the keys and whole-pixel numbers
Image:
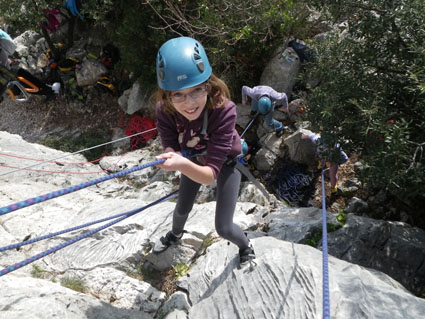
[
  {"x": 165, "y": 241},
  {"x": 246, "y": 257}
]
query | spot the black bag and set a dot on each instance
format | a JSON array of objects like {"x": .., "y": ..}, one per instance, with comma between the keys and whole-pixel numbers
[{"x": 301, "y": 49}]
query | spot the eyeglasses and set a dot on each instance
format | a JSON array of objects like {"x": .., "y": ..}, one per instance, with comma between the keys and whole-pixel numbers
[{"x": 197, "y": 93}]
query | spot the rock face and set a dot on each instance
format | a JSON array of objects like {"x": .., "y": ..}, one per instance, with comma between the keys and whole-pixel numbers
[
  {"x": 300, "y": 150},
  {"x": 281, "y": 71},
  {"x": 30, "y": 298},
  {"x": 114, "y": 267},
  {"x": 286, "y": 283},
  {"x": 393, "y": 248}
]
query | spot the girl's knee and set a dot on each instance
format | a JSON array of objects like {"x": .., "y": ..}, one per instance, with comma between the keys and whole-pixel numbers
[{"x": 224, "y": 231}]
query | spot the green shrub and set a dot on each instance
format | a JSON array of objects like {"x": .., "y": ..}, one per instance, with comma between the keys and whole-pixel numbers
[
  {"x": 83, "y": 141},
  {"x": 370, "y": 96},
  {"x": 181, "y": 269},
  {"x": 239, "y": 36},
  {"x": 316, "y": 236},
  {"x": 37, "y": 272},
  {"x": 76, "y": 284}
]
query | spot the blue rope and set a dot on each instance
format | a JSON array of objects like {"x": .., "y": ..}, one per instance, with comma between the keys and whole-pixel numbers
[
  {"x": 42, "y": 198},
  {"x": 51, "y": 235},
  {"x": 249, "y": 124},
  {"x": 69, "y": 242},
  {"x": 325, "y": 282}
]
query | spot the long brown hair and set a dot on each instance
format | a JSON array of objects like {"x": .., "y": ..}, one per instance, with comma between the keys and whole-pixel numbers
[{"x": 218, "y": 94}]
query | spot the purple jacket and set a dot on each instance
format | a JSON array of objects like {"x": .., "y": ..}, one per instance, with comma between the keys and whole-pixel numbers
[
  {"x": 221, "y": 140},
  {"x": 262, "y": 90}
]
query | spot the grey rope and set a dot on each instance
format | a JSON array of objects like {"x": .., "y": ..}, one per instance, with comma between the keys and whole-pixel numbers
[{"x": 67, "y": 155}]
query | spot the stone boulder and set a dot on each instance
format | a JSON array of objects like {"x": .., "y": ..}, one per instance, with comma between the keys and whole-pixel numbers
[
  {"x": 301, "y": 150},
  {"x": 394, "y": 248},
  {"x": 281, "y": 72}
]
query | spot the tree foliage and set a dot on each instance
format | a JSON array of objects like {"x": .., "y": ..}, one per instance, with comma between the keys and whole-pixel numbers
[
  {"x": 23, "y": 15},
  {"x": 27, "y": 15},
  {"x": 239, "y": 36},
  {"x": 371, "y": 92}
]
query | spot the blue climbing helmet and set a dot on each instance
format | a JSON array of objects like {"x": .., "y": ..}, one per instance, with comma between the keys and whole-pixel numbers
[
  {"x": 245, "y": 148},
  {"x": 181, "y": 63},
  {"x": 264, "y": 105}
]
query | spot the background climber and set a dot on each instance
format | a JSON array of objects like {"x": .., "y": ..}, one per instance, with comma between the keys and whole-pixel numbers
[{"x": 263, "y": 100}]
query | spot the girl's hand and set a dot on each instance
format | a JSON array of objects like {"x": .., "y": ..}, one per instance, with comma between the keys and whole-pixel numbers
[{"x": 173, "y": 161}]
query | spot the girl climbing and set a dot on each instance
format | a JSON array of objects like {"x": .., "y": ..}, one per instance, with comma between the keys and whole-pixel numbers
[{"x": 195, "y": 113}]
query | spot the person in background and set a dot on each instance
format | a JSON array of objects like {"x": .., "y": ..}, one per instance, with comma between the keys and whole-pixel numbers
[
  {"x": 332, "y": 165},
  {"x": 263, "y": 100},
  {"x": 194, "y": 113}
]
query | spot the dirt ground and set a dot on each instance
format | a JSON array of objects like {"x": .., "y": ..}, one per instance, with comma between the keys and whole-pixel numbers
[{"x": 38, "y": 118}]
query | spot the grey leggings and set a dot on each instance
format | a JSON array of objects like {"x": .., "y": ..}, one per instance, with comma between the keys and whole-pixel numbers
[{"x": 228, "y": 182}]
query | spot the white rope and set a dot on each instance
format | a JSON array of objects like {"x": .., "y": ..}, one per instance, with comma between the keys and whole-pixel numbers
[{"x": 67, "y": 155}]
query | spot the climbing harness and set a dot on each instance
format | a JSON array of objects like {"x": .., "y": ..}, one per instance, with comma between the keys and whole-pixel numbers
[
  {"x": 78, "y": 238},
  {"x": 238, "y": 164},
  {"x": 105, "y": 84},
  {"x": 9, "y": 81},
  {"x": 325, "y": 269},
  {"x": 69, "y": 64},
  {"x": 17, "y": 84},
  {"x": 20, "y": 82},
  {"x": 32, "y": 87}
]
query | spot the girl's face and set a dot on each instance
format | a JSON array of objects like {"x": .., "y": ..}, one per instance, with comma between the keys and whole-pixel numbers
[{"x": 190, "y": 102}]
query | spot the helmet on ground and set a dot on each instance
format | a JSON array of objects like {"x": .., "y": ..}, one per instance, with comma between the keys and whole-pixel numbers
[
  {"x": 56, "y": 87},
  {"x": 264, "y": 105},
  {"x": 182, "y": 63}
]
